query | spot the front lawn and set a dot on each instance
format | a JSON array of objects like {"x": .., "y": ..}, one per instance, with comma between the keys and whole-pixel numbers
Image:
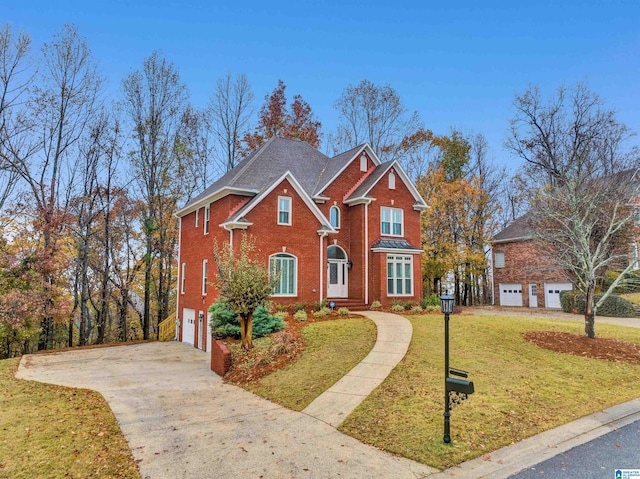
[
  {"x": 331, "y": 350},
  {"x": 521, "y": 389},
  {"x": 49, "y": 431}
]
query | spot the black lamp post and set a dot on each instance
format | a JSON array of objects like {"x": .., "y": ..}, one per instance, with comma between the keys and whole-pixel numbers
[{"x": 446, "y": 304}]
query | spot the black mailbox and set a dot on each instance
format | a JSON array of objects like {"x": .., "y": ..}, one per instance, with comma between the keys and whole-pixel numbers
[{"x": 462, "y": 386}]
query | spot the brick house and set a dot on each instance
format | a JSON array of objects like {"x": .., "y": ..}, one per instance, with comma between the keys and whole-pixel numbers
[
  {"x": 343, "y": 229},
  {"x": 522, "y": 275}
]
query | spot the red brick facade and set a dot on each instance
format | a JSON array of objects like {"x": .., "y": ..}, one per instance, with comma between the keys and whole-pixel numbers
[{"x": 307, "y": 237}]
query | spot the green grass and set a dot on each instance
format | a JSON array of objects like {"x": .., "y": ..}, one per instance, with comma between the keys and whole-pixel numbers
[
  {"x": 332, "y": 349},
  {"x": 520, "y": 389},
  {"x": 49, "y": 431},
  {"x": 632, "y": 297}
]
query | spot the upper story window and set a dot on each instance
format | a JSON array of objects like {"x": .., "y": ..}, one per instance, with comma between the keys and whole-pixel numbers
[
  {"x": 499, "y": 259},
  {"x": 183, "y": 274},
  {"x": 363, "y": 162},
  {"x": 334, "y": 216},
  {"x": 197, "y": 215},
  {"x": 284, "y": 210},
  {"x": 391, "y": 221},
  {"x": 207, "y": 219},
  {"x": 205, "y": 274},
  {"x": 392, "y": 181}
]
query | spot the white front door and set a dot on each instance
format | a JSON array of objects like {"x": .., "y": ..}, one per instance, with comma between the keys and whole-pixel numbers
[
  {"x": 552, "y": 293},
  {"x": 338, "y": 279},
  {"x": 533, "y": 295},
  {"x": 510, "y": 294},
  {"x": 188, "y": 325}
]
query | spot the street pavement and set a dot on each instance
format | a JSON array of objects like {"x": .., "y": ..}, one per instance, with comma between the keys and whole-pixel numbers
[{"x": 596, "y": 459}]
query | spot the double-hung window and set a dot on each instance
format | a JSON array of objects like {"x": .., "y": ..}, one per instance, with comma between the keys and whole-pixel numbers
[
  {"x": 391, "y": 221},
  {"x": 207, "y": 218},
  {"x": 205, "y": 273},
  {"x": 183, "y": 274},
  {"x": 284, "y": 210},
  {"x": 334, "y": 216},
  {"x": 399, "y": 275},
  {"x": 284, "y": 269}
]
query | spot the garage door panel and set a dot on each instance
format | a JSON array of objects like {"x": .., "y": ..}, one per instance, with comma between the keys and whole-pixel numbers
[
  {"x": 510, "y": 294},
  {"x": 552, "y": 293}
]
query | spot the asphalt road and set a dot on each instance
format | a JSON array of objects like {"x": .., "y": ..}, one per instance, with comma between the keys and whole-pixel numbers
[{"x": 597, "y": 459}]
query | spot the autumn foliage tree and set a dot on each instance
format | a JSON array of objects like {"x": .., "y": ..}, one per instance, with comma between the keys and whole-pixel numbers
[
  {"x": 244, "y": 284},
  {"x": 276, "y": 119}
]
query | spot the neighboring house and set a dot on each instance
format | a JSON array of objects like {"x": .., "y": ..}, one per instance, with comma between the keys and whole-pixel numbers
[
  {"x": 343, "y": 229},
  {"x": 522, "y": 275}
]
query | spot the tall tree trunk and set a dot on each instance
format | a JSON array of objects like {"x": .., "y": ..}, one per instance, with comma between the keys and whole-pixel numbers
[
  {"x": 147, "y": 287},
  {"x": 589, "y": 313}
]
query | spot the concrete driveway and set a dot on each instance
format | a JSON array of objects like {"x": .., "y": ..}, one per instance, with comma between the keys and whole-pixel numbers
[{"x": 182, "y": 421}]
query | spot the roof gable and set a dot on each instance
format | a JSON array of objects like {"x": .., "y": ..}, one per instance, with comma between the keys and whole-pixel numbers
[{"x": 340, "y": 162}]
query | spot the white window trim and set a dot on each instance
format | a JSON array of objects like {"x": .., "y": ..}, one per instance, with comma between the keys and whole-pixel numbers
[
  {"x": 182, "y": 277},
  {"x": 207, "y": 218},
  {"x": 205, "y": 273},
  {"x": 499, "y": 263},
  {"x": 295, "y": 275},
  {"x": 289, "y": 210},
  {"x": 391, "y": 222},
  {"x": 335, "y": 208},
  {"x": 402, "y": 259},
  {"x": 363, "y": 162},
  {"x": 392, "y": 181}
]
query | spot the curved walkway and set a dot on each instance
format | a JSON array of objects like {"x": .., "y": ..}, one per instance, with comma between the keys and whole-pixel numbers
[{"x": 336, "y": 403}]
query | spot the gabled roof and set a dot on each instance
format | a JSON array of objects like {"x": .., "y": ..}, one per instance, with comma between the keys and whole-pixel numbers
[
  {"x": 311, "y": 171},
  {"x": 518, "y": 230},
  {"x": 361, "y": 193}
]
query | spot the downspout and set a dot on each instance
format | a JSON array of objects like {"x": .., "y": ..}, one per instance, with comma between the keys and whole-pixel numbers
[
  {"x": 322, "y": 235},
  {"x": 180, "y": 279},
  {"x": 366, "y": 253}
]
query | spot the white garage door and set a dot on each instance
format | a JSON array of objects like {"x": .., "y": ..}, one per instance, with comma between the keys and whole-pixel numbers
[
  {"x": 552, "y": 293},
  {"x": 510, "y": 294},
  {"x": 188, "y": 325}
]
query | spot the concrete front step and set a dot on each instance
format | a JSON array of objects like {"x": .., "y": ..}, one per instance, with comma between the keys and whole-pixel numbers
[{"x": 351, "y": 304}]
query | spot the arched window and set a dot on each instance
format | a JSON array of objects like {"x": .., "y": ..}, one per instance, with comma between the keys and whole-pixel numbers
[
  {"x": 286, "y": 265},
  {"x": 334, "y": 216},
  {"x": 335, "y": 252},
  {"x": 392, "y": 181},
  {"x": 363, "y": 163}
]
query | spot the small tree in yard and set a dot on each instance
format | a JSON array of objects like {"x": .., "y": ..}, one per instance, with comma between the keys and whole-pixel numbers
[
  {"x": 583, "y": 186},
  {"x": 243, "y": 284}
]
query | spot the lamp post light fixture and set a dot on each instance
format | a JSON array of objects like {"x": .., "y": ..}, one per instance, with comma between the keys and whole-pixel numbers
[
  {"x": 446, "y": 306},
  {"x": 460, "y": 388}
]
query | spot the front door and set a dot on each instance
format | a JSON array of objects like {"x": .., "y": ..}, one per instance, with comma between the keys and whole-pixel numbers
[{"x": 338, "y": 282}]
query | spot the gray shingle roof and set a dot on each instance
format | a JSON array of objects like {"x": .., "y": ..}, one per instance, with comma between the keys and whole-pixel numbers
[
  {"x": 393, "y": 243},
  {"x": 519, "y": 229},
  {"x": 370, "y": 180}
]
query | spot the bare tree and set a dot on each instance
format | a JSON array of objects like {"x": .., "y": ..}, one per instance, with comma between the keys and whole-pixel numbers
[
  {"x": 577, "y": 158},
  {"x": 230, "y": 110},
  {"x": 43, "y": 144},
  {"x": 375, "y": 115},
  {"x": 154, "y": 100}
]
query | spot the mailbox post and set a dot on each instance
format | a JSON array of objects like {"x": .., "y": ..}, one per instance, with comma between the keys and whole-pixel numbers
[
  {"x": 446, "y": 303},
  {"x": 461, "y": 388}
]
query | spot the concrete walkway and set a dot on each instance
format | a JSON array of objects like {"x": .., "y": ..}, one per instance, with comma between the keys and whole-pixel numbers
[{"x": 336, "y": 403}]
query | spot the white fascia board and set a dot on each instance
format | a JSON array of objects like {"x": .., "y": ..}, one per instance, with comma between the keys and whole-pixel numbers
[
  {"x": 230, "y": 225},
  {"x": 215, "y": 196},
  {"x": 360, "y": 200},
  {"x": 299, "y": 189},
  {"x": 374, "y": 158},
  {"x": 397, "y": 250},
  {"x": 511, "y": 240},
  {"x": 410, "y": 186}
]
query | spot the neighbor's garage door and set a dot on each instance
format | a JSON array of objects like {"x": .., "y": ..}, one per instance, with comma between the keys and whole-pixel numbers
[
  {"x": 188, "y": 325},
  {"x": 510, "y": 294},
  {"x": 552, "y": 293}
]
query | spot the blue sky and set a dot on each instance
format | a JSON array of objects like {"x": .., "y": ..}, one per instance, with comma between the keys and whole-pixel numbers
[{"x": 456, "y": 63}]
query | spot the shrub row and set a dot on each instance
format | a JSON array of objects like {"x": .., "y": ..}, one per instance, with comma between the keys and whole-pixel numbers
[{"x": 613, "y": 306}]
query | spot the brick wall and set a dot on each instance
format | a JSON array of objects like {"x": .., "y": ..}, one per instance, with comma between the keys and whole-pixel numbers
[{"x": 220, "y": 358}]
